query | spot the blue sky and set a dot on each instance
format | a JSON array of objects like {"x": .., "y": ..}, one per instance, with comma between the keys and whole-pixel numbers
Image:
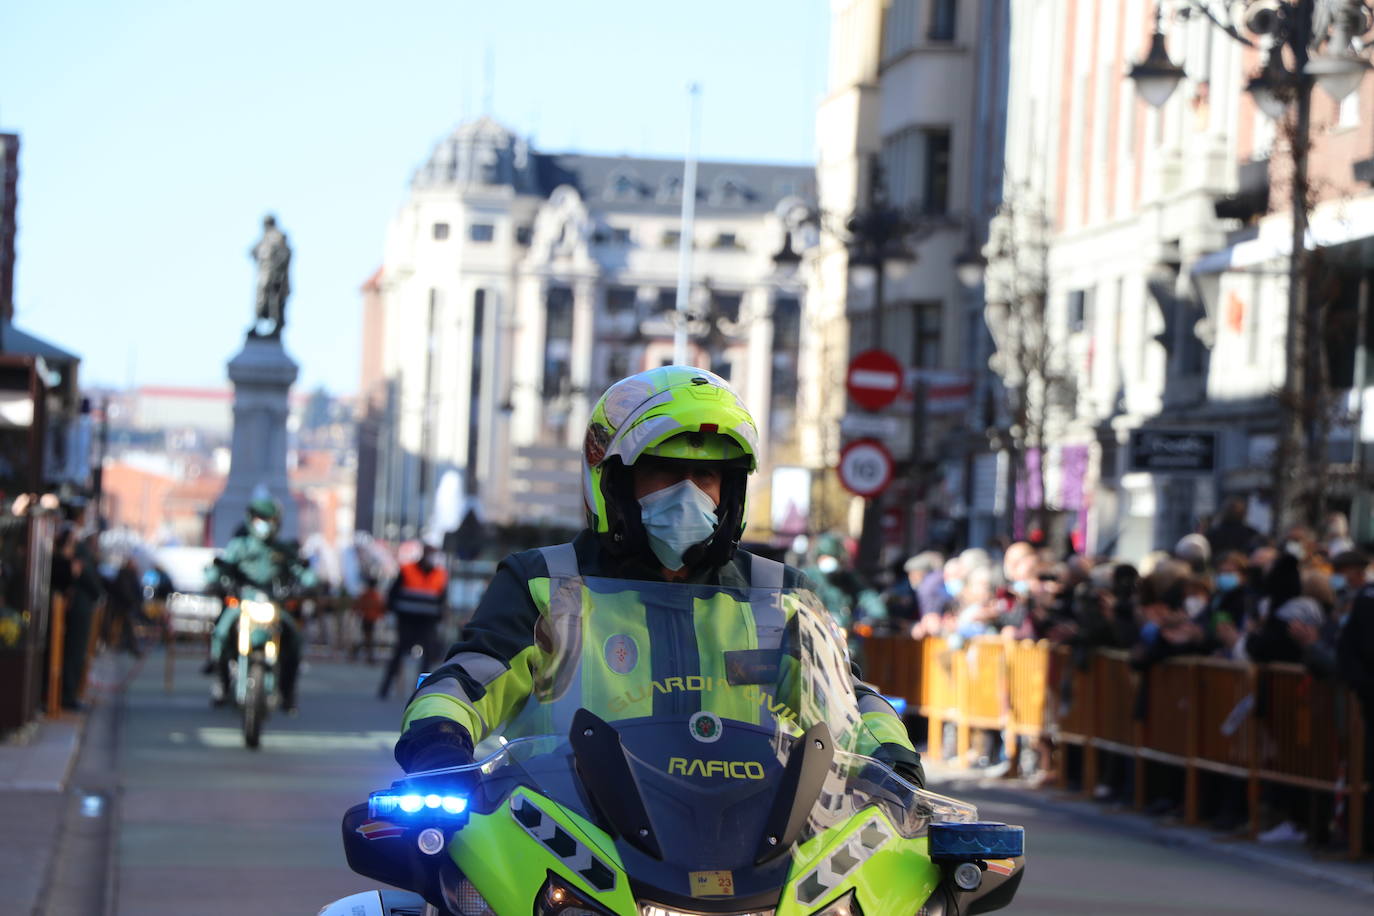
[{"x": 155, "y": 135}]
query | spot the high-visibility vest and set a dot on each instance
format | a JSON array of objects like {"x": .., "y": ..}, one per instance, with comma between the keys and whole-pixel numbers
[{"x": 420, "y": 592}]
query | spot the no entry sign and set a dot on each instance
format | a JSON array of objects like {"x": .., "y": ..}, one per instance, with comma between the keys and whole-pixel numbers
[
  {"x": 874, "y": 379},
  {"x": 865, "y": 467}
]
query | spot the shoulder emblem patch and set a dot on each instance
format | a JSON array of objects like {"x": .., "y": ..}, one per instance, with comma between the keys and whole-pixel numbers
[{"x": 621, "y": 653}]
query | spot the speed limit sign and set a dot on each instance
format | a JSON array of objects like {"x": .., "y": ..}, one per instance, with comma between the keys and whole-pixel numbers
[{"x": 865, "y": 467}]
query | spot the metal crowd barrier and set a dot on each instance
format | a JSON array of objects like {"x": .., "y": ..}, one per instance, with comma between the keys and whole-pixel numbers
[{"x": 1264, "y": 724}]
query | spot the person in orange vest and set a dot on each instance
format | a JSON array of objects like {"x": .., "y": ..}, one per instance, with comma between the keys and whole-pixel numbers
[{"x": 418, "y": 598}]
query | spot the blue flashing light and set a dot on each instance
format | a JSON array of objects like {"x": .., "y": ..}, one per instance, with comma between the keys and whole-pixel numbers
[
  {"x": 898, "y": 704},
  {"x": 984, "y": 840},
  {"x": 390, "y": 804}
]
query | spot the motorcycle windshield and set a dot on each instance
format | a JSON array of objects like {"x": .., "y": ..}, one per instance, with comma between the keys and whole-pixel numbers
[{"x": 673, "y": 716}]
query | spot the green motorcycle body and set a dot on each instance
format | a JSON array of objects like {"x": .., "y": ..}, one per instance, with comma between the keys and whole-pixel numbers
[{"x": 744, "y": 790}]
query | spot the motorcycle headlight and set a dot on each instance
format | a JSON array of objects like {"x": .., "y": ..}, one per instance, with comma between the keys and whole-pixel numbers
[
  {"x": 558, "y": 899},
  {"x": 848, "y": 905},
  {"x": 260, "y": 611}
]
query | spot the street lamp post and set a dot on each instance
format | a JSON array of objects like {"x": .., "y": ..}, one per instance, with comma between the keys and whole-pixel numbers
[
  {"x": 877, "y": 237},
  {"x": 1298, "y": 27}
]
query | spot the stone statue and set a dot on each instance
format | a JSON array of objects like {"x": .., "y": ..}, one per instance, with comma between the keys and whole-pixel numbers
[{"x": 273, "y": 257}]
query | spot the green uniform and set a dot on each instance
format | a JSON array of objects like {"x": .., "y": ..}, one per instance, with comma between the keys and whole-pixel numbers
[
  {"x": 494, "y": 667},
  {"x": 261, "y": 561}
]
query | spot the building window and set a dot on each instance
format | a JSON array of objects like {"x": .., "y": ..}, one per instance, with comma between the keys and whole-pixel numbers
[
  {"x": 727, "y": 240},
  {"x": 440, "y": 231},
  {"x": 620, "y": 300},
  {"x": 944, "y": 15},
  {"x": 617, "y": 366},
  {"x": 624, "y": 187},
  {"x": 721, "y": 366},
  {"x": 481, "y": 232},
  {"x": 1080, "y": 309},
  {"x": 670, "y": 189},
  {"x": 916, "y": 168},
  {"x": 558, "y": 332},
  {"x": 727, "y": 305},
  {"x": 783, "y": 378},
  {"x": 899, "y": 27},
  {"x": 524, "y": 235},
  {"x": 929, "y": 329},
  {"x": 666, "y": 301},
  {"x": 618, "y": 235},
  {"x": 936, "y": 190},
  {"x": 787, "y": 323},
  {"x": 913, "y": 331},
  {"x": 729, "y": 192},
  {"x": 1350, "y": 111},
  {"x": 671, "y": 238},
  {"x": 479, "y": 302}
]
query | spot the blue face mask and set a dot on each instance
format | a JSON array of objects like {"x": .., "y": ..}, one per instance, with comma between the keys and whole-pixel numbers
[
  {"x": 1228, "y": 580},
  {"x": 953, "y": 587},
  {"x": 1338, "y": 582},
  {"x": 262, "y": 528},
  {"x": 1021, "y": 588},
  {"x": 676, "y": 518}
]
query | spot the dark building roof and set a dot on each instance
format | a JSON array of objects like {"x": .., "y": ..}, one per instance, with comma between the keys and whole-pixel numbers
[
  {"x": 635, "y": 185},
  {"x": 485, "y": 153}
]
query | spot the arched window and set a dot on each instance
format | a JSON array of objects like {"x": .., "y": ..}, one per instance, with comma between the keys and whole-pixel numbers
[{"x": 623, "y": 186}]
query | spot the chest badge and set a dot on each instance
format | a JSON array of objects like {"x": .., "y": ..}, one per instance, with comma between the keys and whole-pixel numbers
[
  {"x": 621, "y": 653},
  {"x": 705, "y": 727}
]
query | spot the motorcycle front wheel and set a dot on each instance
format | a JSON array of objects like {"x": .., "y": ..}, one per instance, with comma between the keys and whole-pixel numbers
[{"x": 254, "y": 703}]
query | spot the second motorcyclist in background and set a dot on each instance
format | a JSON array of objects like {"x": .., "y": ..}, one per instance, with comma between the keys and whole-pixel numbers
[
  {"x": 666, "y": 460},
  {"x": 266, "y": 562}
]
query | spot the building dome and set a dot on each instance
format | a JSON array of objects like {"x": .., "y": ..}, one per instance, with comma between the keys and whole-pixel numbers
[{"x": 480, "y": 153}]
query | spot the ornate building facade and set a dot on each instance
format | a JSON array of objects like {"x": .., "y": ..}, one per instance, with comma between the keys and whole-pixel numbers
[{"x": 517, "y": 285}]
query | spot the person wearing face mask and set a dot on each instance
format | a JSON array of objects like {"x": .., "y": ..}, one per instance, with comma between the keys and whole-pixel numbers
[
  {"x": 264, "y": 560},
  {"x": 666, "y": 461}
]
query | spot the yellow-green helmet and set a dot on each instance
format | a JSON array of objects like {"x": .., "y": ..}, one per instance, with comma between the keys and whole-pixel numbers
[{"x": 671, "y": 412}]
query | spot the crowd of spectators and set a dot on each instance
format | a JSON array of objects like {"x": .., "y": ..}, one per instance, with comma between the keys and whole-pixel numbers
[{"x": 1227, "y": 592}]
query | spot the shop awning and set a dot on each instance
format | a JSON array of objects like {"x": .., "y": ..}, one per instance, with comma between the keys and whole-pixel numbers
[
  {"x": 1331, "y": 225},
  {"x": 22, "y": 343}
]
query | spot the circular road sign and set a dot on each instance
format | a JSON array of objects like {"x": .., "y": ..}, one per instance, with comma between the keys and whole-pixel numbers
[
  {"x": 874, "y": 379},
  {"x": 865, "y": 467}
]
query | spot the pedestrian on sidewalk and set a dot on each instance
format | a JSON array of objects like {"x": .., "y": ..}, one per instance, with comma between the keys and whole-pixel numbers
[
  {"x": 126, "y": 608},
  {"x": 370, "y": 607},
  {"x": 417, "y": 599},
  {"x": 86, "y": 591}
]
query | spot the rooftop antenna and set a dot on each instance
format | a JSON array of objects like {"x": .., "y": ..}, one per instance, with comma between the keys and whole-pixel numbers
[
  {"x": 689, "y": 211},
  {"x": 488, "y": 82}
]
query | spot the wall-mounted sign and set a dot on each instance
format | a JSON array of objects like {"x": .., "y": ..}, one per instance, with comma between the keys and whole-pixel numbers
[{"x": 1173, "y": 451}]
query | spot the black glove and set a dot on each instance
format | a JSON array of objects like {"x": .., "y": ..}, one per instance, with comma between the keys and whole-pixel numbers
[
  {"x": 904, "y": 762},
  {"x": 432, "y": 744}
]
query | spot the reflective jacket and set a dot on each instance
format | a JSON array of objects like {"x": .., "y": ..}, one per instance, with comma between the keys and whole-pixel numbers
[
  {"x": 491, "y": 670},
  {"x": 417, "y": 591}
]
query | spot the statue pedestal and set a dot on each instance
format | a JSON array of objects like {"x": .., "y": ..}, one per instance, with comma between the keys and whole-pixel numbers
[{"x": 262, "y": 374}]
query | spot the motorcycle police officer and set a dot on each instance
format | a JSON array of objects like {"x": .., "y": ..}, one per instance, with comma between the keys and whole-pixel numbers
[
  {"x": 263, "y": 561},
  {"x": 666, "y": 460}
]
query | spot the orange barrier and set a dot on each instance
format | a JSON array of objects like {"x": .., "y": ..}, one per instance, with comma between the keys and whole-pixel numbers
[
  {"x": 1262, "y": 723},
  {"x": 57, "y": 632}
]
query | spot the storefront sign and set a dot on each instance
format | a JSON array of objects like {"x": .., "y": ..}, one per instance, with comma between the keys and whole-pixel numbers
[{"x": 1173, "y": 451}]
